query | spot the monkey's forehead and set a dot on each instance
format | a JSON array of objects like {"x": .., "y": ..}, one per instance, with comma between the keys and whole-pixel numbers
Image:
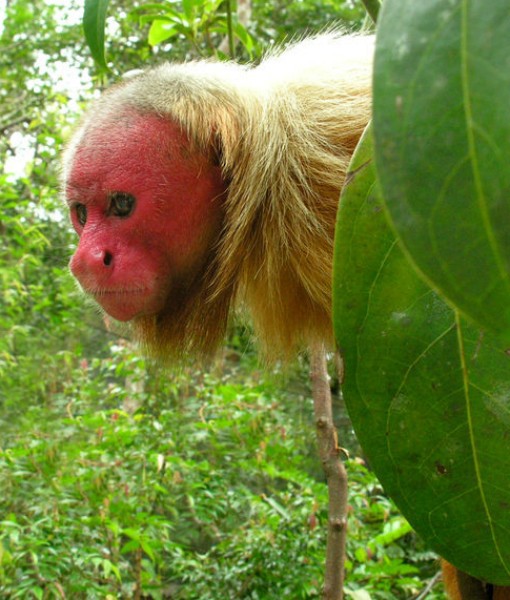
[
  {"x": 128, "y": 142},
  {"x": 127, "y": 130},
  {"x": 133, "y": 153}
]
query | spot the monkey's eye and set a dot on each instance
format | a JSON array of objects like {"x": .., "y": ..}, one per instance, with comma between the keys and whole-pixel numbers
[
  {"x": 81, "y": 214},
  {"x": 121, "y": 204}
]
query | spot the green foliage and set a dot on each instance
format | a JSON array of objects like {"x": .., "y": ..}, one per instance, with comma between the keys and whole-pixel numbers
[
  {"x": 213, "y": 27},
  {"x": 190, "y": 483},
  {"x": 203, "y": 23},
  {"x": 41, "y": 310},
  {"x": 281, "y": 20}
]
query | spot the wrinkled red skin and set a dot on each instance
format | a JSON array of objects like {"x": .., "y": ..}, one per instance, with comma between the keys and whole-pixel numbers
[{"x": 132, "y": 264}]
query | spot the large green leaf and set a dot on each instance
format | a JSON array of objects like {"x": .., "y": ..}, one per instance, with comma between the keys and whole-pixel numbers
[
  {"x": 428, "y": 394},
  {"x": 442, "y": 145}
]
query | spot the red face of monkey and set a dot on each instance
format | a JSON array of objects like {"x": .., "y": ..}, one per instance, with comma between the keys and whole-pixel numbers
[{"x": 147, "y": 211}]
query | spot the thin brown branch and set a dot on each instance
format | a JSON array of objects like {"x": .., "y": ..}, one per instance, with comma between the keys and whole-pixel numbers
[
  {"x": 429, "y": 587},
  {"x": 137, "y": 593},
  {"x": 336, "y": 475}
]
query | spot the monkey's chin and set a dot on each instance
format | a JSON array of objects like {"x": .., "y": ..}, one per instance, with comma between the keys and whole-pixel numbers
[{"x": 126, "y": 305}]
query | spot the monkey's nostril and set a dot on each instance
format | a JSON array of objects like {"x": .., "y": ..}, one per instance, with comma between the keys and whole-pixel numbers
[{"x": 107, "y": 259}]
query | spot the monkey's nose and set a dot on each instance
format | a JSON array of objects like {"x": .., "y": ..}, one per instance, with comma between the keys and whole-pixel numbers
[
  {"x": 98, "y": 258},
  {"x": 91, "y": 261}
]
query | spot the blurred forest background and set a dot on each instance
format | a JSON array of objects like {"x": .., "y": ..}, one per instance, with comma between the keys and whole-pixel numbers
[{"x": 118, "y": 478}]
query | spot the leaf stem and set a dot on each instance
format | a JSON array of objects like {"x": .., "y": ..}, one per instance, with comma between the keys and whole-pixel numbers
[
  {"x": 230, "y": 30},
  {"x": 372, "y": 7}
]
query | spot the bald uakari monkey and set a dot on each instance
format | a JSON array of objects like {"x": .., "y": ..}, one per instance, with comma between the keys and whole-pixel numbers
[{"x": 195, "y": 187}]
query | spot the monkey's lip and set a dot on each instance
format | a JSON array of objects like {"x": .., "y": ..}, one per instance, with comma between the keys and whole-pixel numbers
[
  {"x": 124, "y": 304},
  {"x": 121, "y": 292}
]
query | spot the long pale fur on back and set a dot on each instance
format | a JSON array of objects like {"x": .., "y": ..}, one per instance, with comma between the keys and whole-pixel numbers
[{"x": 284, "y": 132}]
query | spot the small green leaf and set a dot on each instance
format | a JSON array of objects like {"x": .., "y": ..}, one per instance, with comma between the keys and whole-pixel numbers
[
  {"x": 277, "y": 507},
  {"x": 147, "y": 548},
  {"x": 130, "y": 546},
  {"x": 94, "y": 19},
  {"x": 134, "y": 534},
  {"x": 244, "y": 37},
  {"x": 160, "y": 31},
  {"x": 393, "y": 531},
  {"x": 361, "y": 554},
  {"x": 37, "y": 591},
  {"x": 189, "y": 7}
]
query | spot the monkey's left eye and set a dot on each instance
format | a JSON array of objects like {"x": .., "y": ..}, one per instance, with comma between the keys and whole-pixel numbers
[
  {"x": 81, "y": 214},
  {"x": 121, "y": 204}
]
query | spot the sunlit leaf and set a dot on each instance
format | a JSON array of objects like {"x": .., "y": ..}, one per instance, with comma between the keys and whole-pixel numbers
[
  {"x": 160, "y": 31},
  {"x": 131, "y": 546},
  {"x": 146, "y": 547},
  {"x": 189, "y": 7}
]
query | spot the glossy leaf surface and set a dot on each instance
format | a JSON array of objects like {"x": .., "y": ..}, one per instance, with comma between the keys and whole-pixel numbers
[
  {"x": 442, "y": 146},
  {"x": 428, "y": 394}
]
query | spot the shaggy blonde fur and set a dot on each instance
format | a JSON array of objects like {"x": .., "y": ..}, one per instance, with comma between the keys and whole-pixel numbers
[{"x": 284, "y": 132}]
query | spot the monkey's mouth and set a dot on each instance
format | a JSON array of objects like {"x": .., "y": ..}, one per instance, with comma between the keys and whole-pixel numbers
[
  {"x": 100, "y": 293},
  {"x": 124, "y": 304}
]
